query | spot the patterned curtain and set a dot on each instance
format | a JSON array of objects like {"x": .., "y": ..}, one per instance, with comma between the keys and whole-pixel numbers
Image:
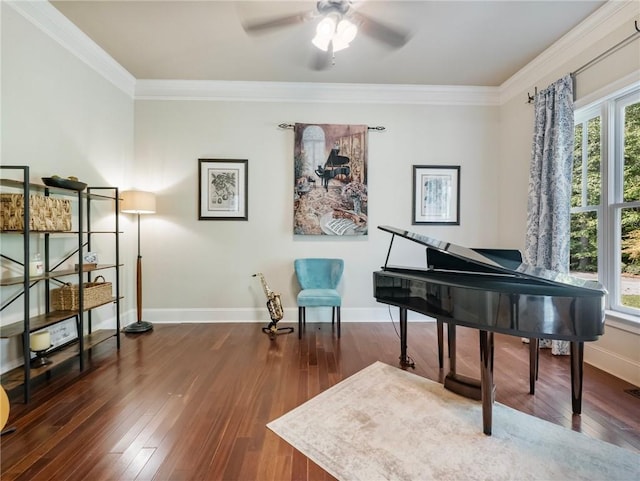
[{"x": 548, "y": 219}]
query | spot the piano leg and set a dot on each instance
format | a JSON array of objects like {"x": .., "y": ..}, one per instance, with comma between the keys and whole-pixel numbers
[
  {"x": 404, "y": 359},
  {"x": 440, "y": 344},
  {"x": 451, "y": 340},
  {"x": 480, "y": 390},
  {"x": 577, "y": 356},
  {"x": 463, "y": 385},
  {"x": 486, "y": 379},
  {"x": 534, "y": 357}
]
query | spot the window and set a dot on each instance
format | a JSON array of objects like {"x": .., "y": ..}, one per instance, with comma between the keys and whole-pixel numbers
[{"x": 605, "y": 202}]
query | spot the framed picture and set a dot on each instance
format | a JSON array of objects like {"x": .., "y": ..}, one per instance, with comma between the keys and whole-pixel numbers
[
  {"x": 436, "y": 194},
  {"x": 223, "y": 189}
]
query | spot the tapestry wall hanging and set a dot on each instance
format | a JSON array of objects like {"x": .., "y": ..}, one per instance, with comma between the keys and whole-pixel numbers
[{"x": 330, "y": 188}]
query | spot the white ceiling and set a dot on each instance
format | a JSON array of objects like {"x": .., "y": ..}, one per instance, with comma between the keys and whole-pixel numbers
[{"x": 474, "y": 43}]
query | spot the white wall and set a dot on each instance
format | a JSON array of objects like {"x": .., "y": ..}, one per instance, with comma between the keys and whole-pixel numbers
[
  {"x": 203, "y": 265},
  {"x": 59, "y": 116}
]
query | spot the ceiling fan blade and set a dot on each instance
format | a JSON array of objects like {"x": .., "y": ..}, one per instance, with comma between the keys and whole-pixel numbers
[
  {"x": 279, "y": 22},
  {"x": 322, "y": 60},
  {"x": 392, "y": 36}
]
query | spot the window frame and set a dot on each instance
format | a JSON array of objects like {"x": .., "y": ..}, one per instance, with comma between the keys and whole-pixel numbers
[{"x": 610, "y": 109}]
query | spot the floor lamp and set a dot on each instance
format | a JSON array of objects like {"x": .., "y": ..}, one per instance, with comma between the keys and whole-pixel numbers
[{"x": 138, "y": 202}]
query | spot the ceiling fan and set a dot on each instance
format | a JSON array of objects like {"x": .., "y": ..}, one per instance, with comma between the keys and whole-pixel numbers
[{"x": 338, "y": 24}]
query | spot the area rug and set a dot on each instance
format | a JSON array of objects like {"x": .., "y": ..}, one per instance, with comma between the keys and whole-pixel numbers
[{"x": 386, "y": 423}]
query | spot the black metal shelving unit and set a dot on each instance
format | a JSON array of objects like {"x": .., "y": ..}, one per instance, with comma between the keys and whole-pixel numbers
[{"x": 87, "y": 337}]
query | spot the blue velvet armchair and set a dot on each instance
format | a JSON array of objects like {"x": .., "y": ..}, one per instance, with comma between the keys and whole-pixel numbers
[{"x": 318, "y": 279}]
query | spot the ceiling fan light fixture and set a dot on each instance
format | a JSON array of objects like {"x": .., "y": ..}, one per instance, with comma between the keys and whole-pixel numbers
[
  {"x": 338, "y": 45},
  {"x": 321, "y": 42},
  {"x": 324, "y": 33},
  {"x": 345, "y": 33},
  {"x": 334, "y": 29}
]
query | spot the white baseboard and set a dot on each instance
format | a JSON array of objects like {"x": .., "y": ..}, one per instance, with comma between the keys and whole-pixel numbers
[
  {"x": 319, "y": 314},
  {"x": 612, "y": 363}
]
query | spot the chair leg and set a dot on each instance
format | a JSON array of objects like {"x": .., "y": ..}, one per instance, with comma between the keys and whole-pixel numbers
[
  {"x": 338, "y": 315},
  {"x": 300, "y": 320},
  {"x": 333, "y": 315}
]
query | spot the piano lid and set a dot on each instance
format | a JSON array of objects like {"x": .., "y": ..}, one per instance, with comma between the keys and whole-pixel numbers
[{"x": 500, "y": 266}]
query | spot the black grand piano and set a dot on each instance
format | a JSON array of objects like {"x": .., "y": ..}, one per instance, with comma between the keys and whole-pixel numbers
[{"x": 493, "y": 291}]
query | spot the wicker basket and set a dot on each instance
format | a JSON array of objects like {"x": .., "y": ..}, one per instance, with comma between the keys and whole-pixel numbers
[
  {"x": 67, "y": 297},
  {"x": 45, "y": 213}
]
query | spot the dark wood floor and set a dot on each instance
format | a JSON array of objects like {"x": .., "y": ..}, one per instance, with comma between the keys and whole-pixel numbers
[{"x": 190, "y": 401}]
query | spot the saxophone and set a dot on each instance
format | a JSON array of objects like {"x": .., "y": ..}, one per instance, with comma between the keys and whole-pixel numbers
[{"x": 274, "y": 305}]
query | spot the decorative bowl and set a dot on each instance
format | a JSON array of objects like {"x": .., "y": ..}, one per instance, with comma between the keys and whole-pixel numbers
[{"x": 64, "y": 183}]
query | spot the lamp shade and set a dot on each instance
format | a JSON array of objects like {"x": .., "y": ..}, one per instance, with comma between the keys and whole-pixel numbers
[{"x": 138, "y": 202}]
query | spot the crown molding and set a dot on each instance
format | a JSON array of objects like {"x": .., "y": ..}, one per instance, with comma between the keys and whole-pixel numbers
[
  {"x": 314, "y": 92},
  {"x": 611, "y": 16},
  {"x": 50, "y": 21}
]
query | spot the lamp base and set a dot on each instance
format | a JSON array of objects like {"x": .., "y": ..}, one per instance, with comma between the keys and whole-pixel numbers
[{"x": 137, "y": 327}]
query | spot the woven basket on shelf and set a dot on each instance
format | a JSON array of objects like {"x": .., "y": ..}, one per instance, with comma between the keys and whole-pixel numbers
[
  {"x": 67, "y": 297},
  {"x": 45, "y": 213}
]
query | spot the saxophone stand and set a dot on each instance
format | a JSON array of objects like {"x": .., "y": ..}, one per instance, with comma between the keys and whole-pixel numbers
[{"x": 273, "y": 330}]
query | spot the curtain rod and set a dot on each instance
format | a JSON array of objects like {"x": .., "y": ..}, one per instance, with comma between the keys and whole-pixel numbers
[
  {"x": 290, "y": 126},
  {"x": 603, "y": 55},
  {"x": 606, "y": 53}
]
